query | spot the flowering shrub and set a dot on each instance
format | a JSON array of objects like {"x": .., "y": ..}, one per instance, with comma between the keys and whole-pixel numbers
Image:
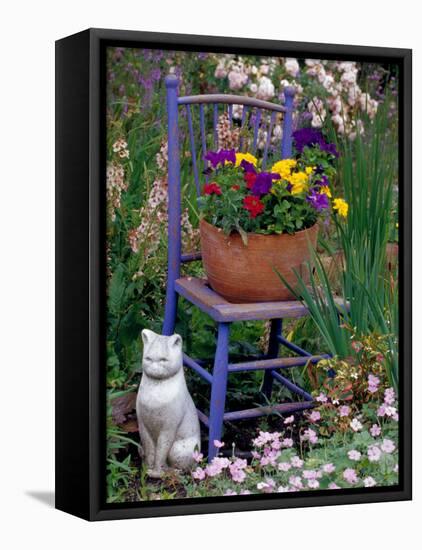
[{"x": 289, "y": 197}]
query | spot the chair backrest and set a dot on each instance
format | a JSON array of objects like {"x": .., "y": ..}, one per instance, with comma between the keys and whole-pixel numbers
[{"x": 255, "y": 114}]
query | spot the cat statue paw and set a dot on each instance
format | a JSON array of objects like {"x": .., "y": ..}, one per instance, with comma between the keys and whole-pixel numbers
[{"x": 167, "y": 418}]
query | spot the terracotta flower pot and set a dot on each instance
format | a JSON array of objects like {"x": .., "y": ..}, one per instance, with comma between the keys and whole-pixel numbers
[{"x": 245, "y": 273}]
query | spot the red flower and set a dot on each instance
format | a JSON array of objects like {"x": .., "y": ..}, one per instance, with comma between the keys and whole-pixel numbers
[
  {"x": 250, "y": 178},
  {"x": 253, "y": 205},
  {"x": 235, "y": 187},
  {"x": 212, "y": 188}
]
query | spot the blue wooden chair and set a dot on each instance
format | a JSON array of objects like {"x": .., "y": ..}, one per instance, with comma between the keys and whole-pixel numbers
[{"x": 196, "y": 291}]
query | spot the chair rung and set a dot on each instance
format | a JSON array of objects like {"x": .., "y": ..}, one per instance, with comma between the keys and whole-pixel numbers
[
  {"x": 189, "y": 362},
  {"x": 262, "y": 411},
  {"x": 277, "y": 363},
  {"x": 191, "y": 257},
  {"x": 291, "y": 386}
]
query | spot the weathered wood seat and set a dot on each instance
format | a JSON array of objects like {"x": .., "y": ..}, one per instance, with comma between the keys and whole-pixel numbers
[{"x": 198, "y": 292}]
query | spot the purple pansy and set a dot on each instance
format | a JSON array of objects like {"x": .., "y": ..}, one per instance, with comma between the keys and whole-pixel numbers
[
  {"x": 247, "y": 166},
  {"x": 221, "y": 157},
  {"x": 318, "y": 200},
  {"x": 263, "y": 183},
  {"x": 310, "y": 136}
]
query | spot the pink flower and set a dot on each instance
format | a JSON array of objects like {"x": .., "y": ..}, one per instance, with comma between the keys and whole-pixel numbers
[
  {"x": 344, "y": 410},
  {"x": 388, "y": 446},
  {"x": 262, "y": 439},
  {"x": 217, "y": 466},
  {"x": 322, "y": 398},
  {"x": 374, "y": 453},
  {"x": 333, "y": 485},
  {"x": 270, "y": 457},
  {"x": 245, "y": 492},
  {"x": 310, "y": 435},
  {"x": 289, "y": 419},
  {"x": 369, "y": 482},
  {"x": 355, "y": 425},
  {"x": 199, "y": 473},
  {"x": 197, "y": 456},
  {"x": 237, "y": 475},
  {"x": 266, "y": 486},
  {"x": 284, "y": 466},
  {"x": 315, "y": 416},
  {"x": 373, "y": 383},
  {"x": 311, "y": 474},
  {"x": 287, "y": 442},
  {"x": 218, "y": 444},
  {"x": 357, "y": 346},
  {"x": 256, "y": 455},
  {"x": 296, "y": 462},
  {"x": 328, "y": 468},
  {"x": 230, "y": 493},
  {"x": 354, "y": 455},
  {"x": 389, "y": 396},
  {"x": 296, "y": 482},
  {"x": 375, "y": 430},
  {"x": 283, "y": 489},
  {"x": 236, "y": 470},
  {"x": 350, "y": 476},
  {"x": 313, "y": 483},
  {"x": 276, "y": 444}
]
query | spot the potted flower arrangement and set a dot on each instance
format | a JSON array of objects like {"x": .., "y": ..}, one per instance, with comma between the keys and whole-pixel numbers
[{"x": 256, "y": 223}]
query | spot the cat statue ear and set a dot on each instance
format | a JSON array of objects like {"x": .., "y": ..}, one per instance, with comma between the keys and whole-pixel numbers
[
  {"x": 148, "y": 336},
  {"x": 176, "y": 340}
]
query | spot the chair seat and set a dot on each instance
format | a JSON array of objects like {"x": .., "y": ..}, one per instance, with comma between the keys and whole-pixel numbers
[{"x": 198, "y": 292}]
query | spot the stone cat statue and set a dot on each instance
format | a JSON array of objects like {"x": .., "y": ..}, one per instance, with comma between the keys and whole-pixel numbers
[{"x": 167, "y": 418}]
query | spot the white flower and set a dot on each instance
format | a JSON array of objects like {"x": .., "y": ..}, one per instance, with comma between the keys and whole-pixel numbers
[
  {"x": 354, "y": 455},
  {"x": 369, "y": 481},
  {"x": 266, "y": 88},
  {"x": 388, "y": 446},
  {"x": 237, "y": 79},
  {"x": 355, "y": 425},
  {"x": 292, "y": 66}
]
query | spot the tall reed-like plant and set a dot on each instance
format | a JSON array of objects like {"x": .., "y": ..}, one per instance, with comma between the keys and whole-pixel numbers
[{"x": 367, "y": 172}]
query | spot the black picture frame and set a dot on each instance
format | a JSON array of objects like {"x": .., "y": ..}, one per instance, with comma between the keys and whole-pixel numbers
[{"x": 80, "y": 273}]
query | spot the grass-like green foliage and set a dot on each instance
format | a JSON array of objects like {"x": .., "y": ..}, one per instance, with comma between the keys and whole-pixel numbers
[{"x": 367, "y": 171}]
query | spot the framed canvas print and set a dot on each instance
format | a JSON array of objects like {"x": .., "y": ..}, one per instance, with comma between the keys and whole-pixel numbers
[{"x": 233, "y": 274}]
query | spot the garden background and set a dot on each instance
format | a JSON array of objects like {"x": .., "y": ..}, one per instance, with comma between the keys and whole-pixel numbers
[{"x": 351, "y": 439}]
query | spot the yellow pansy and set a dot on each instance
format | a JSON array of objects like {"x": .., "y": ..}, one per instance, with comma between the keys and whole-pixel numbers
[
  {"x": 299, "y": 182},
  {"x": 309, "y": 170},
  {"x": 341, "y": 206},
  {"x": 245, "y": 156},
  {"x": 325, "y": 190},
  {"x": 284, "y": 167}
]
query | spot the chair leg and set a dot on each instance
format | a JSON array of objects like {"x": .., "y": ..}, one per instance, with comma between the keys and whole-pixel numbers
[
  {"x": 170, "y": 312},
  {"x": 273, "y": 346},
  {"x": 218, "y": 388}
]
